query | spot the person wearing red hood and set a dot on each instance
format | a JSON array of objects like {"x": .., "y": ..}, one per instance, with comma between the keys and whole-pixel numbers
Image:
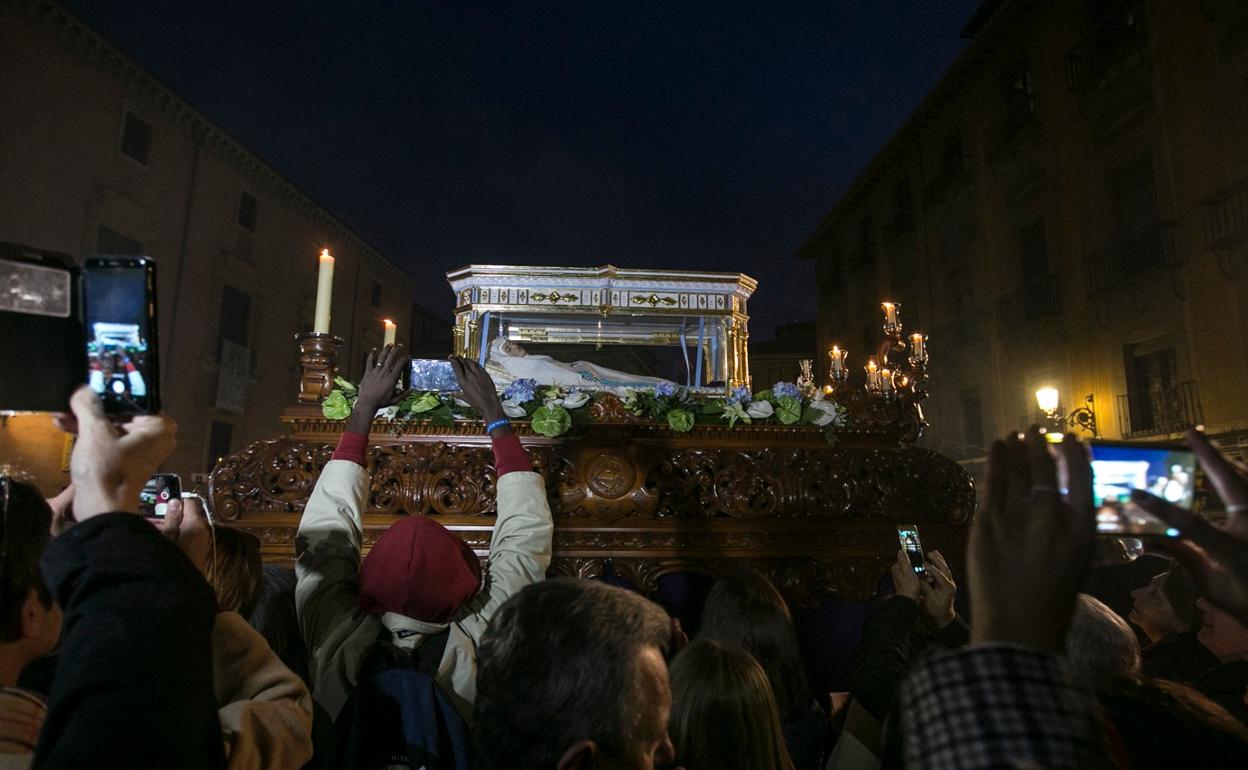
[{"x": 419, "y": 579}]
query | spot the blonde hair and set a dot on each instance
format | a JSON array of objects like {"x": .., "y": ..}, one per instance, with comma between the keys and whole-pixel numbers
[
  {"x": 724, "y": 716},
  {"x": 235, "y": 569}
]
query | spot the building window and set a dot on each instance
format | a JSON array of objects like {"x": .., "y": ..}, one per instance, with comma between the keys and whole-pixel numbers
[
  {"x": 248, "y": 209},
  {"x": 136, "y": 138},
  {"x": 1033, "y": 254},
  {"x": 903, "y": 206},
  {"x": 219, "y": 438},
  {"x": 109, "y": 241},
  {"x": 375, "y": 297},
  {"x": 235, "y": 321}
]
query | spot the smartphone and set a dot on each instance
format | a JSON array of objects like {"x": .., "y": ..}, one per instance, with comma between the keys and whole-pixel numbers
[
  {"x": 41, "y": 361},
  {"x": 1118, "y": 468},
  {"x": 119, "y": 304},
  {"x": 908, "y": 535},
  {"x": 157, "y": 492},
  {"x": 433, "y": 374}
]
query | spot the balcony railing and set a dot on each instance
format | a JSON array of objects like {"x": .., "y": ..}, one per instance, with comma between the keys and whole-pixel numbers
[
  {"x": 1124, "y": 262},
  {"x": 1159, "y": 411},
  {"x": 1027, "y": 304},
  {"x": 1224, "y": 217},
  {"x": 1118, "y": 42},
  {"x": 951, "y": 185},
  {"x": 1017, "y": 126}
]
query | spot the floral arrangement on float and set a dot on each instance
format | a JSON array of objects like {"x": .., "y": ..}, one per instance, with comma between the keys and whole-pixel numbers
[{"x": 552, "y": 411}]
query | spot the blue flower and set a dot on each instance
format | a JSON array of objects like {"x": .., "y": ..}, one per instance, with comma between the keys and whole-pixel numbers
[
  {"x": 521, "y": 391},
  {"x": 740, "y": 395},
  {"x": 665, "y": 389},
  {"x": 781, "y": 389}
]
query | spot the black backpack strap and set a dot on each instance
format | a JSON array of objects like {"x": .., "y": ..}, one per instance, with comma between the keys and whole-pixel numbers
[{"x": 428, "y": 656}]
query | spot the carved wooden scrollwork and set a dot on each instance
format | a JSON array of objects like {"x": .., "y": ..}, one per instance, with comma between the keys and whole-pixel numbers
[{"x": 640, "y": 500}]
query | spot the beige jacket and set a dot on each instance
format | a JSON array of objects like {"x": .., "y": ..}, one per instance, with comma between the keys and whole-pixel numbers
[
  {"x": 265, "y": 709},
  {"x": 339, "y": 634}
]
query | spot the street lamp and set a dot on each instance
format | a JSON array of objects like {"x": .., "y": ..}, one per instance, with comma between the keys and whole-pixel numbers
[{"x": 1050, "y": 402}]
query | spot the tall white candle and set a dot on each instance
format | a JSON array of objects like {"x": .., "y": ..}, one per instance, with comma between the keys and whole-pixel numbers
[
  {"x": 890, "y": 313},
  {"x": 389, "y": 327},
  {"x": 324, "y": 293}
]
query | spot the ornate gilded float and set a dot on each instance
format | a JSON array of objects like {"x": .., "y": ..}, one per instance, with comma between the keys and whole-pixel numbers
[{"x": 815, "y": 507}]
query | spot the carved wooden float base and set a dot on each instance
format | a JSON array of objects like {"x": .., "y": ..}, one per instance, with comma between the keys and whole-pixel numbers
[{"x": 639, "y": 500}]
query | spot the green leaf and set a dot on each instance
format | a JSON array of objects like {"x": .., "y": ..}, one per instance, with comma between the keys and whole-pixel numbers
[
  {"x": 425, "y": 402},
  {"x": 551, "y": 421},
  {"x": 830, "y": 435},
  {"x": 788, "y": 410},
  {"x": 680, "y": 420},
  {"x": 713, "y": 409},
  {"x": 763, "y": 395},
  {"x": 345, "y": 386},
  {"x": 336, "y": 406},
  {"x": 810, "y": 414},
  {"x": 442, "y": 417}
]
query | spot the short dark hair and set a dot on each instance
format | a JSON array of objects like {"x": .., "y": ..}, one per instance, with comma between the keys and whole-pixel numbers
[
  {"x": 560, "y": 663},
  {"x": 235, "y": 569},
  {"x": 277, "y": 621},
  {"x": 27, "y": 531},
  {"x": 1181, "y": 592},
  {"x": 746, "y": 609}
]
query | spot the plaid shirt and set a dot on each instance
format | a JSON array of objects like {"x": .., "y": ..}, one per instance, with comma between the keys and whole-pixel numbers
[{"x": 998, "y": 707}]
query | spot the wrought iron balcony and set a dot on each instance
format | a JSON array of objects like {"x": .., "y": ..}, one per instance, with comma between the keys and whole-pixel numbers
[
  {"x": 1159, "y": 411},
  {"x": 1117, "y": 44},
  {"x": 1224, "y": 217},
  {"x": 1027, "y": 304},
  {"x": 1125, "y": 262},
  {"x": 1019, "y": 125}
]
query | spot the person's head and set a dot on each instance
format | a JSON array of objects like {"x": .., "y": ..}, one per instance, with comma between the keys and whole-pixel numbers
[
  {"x": 277, "y": 621},
  {"x": 746, "y": 609},
  {"x": 1222, "y": 634},
  {"x": 32, "y": 620},
  {"x": 1166, "y": 605},
  {"x": 1100, "y": 646},
  {"x": 724, "y": 716},
  {"x": 570, "y": 675},
  {"x": 234, "y": 569},
  {"x": 419, "y": 569}
]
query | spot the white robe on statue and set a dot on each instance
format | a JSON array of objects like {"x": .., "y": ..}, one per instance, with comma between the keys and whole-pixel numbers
[{"x": 509, "y": 362}]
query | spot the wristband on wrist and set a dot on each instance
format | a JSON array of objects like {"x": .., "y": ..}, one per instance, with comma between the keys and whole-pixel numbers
[{"x": 497, "y": 424}]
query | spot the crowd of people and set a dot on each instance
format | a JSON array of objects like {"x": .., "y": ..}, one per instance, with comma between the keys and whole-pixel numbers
[{"x": 169, "y": 644}]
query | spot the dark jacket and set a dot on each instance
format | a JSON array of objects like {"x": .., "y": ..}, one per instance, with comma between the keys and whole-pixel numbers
[
  {"x": 891, "y": 641},
  {"x": 133, "y": 684},
  {"x": 1178, "y": 658},
  {"x": 1225, "y": 686}
]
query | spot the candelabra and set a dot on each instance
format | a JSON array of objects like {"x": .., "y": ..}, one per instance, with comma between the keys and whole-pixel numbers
[
  {"x": 318, "y": 360},
  {"x": 896, "y": 373}
]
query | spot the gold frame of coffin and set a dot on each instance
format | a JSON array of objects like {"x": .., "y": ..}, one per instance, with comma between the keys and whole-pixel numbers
[{"x": 705, "y": 311}]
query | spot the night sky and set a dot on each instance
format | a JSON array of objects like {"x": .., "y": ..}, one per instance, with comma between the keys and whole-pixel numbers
[{"x": 644, "y": 134}]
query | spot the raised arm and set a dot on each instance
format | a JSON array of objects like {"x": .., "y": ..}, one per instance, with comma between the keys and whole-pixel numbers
[
  {"x": 520, "y": 546},
  {"x": 327, "y": 545}
]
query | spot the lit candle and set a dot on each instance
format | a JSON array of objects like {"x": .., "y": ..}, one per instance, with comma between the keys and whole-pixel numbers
[
  {"x": 324, "y": 293},
  {"x": 873, "y": 374},
  {"x": 890, "y": 314},
  {"x": 918, "y": 346},
  {"x": 827, "y": 390},
  {"x": 836, "y": 357},
  {"x": 886, "y": 381},
  {"x": 389, "y": 327}
]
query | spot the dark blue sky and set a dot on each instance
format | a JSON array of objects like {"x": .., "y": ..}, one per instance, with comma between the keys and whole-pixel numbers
[{"x": 645, "y": 134}]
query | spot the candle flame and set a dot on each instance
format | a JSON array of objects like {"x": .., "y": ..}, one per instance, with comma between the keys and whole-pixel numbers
[
  {"x": 326, "y": 255},
  {"x": 387, "y": 322}
]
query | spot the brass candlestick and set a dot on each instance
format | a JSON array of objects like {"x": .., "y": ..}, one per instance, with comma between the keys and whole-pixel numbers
[{"x": 318, "y": 357}]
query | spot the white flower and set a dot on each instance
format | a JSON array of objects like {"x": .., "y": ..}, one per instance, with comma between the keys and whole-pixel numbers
[
  {"x": 388, "y": 413},
  {"x": 759, "y": 409},
  {"x": 512, "y": 409},
  {"x": 575, "y": 399},
  {"x": 833, "y": 413}
]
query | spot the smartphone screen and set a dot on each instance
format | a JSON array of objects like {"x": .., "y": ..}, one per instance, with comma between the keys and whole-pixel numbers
[
  {"x": 1117, "y": 469},
  {"x": 41, "y": 361},
  {"x": 433, "y": 374},
  {"x": 157, "y": 492},
  {"x": 908, "y": 535},
  {"x": 119, "y": 299}
]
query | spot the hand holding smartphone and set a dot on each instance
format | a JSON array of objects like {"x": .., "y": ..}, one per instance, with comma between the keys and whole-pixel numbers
[
  {"x": 160, "y": 489},
  {"x": 1168, "y": 472}
]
